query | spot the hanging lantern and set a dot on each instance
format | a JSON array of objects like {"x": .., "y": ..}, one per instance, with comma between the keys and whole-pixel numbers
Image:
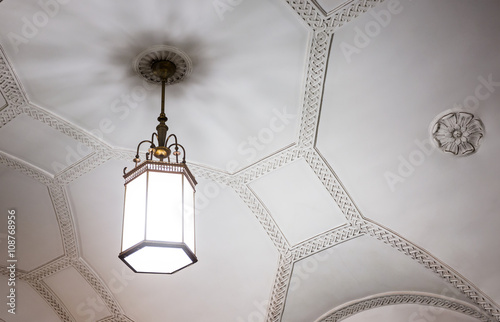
[{"x": 158, "y": 221}]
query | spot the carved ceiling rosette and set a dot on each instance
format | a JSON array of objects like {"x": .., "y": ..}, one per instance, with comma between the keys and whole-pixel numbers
[{"x": 458, "y": 133}]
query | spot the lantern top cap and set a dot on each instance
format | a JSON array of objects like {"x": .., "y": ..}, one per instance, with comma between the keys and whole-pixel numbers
[{"x": 159, "y": 166}]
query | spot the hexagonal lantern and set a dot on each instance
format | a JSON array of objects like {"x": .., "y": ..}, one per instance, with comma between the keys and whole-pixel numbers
[
  {"x": 158, "y": 216},
  {"x": 158, "y": 220}
]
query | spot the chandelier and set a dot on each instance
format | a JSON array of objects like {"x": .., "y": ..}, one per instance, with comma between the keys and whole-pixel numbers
[{"x": 158, "y": 217}]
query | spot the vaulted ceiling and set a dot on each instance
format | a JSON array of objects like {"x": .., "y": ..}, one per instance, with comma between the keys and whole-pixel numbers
[{"x": 321, "y": 196}]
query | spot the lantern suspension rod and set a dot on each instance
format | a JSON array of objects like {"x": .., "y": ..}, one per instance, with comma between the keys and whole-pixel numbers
[
  {"x": 162, "y": 97},
  {"x": 164, "y": 69}
]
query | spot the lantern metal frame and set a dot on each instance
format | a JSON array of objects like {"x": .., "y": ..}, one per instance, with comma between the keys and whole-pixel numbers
[{"x": 166, "y": 148}]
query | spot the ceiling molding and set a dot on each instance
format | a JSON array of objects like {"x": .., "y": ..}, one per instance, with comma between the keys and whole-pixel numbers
[
  {"x": 83, "y": 166},
  {"x": 264, "y": 217},
  {"x": 427, "y": 260},
  {"x": 325, "y": 240},
  {"x": 9, "y": 85},
  {"x": 48, "y": 269},
  {"x": 65, "y": 127},
  {"x": 379, "y": 300},
  {"x": 99, "y": 286},
  {"x": 308, "y": 11},
  {"x": 55, "y": 303},
  {"x": 280, "y": 287},
  {"x": 65, "y": 220},
  {"x": 347, "y": 13},
  {"x": 8, "y": 114},
  {"x": 272, "y": 162},
  {"x": 334, "y": 10},
  {"x": 316, "y": 73},
  {"x": 26, "y": 168}
]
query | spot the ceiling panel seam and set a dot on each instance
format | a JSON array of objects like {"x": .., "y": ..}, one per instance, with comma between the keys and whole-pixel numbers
[
  {"x": 427, "y": 260},
  {"x": 268, "y": 164},
  {"x": 381, "y": 300},
  {"x": 346, "y": 14},
  {"x": 343, "y": 200},
  {"x": 307, "y": 11},
  {"x": 264, "y": 218},
  {"x": 65, "y": 127},
  {"x": 310, "y": 118},
  {"x": 8, "y": 114},
  {"x": 51, "y": 298},
  {"x": 64, "y": 220},
  {"x": 333, "y": 185},
  {"x": 82, "y": 167},
  {"x": 280, "y": 287},
  {"x": 326, "y": 240},
  {"x": 26, "y": 168},
  {"x": 316, "y": 72},
  {"x": 99, "y": 286},
  {"x": 48, "y": 269},
  {"x": 9, "y": 85},
  {"x": 290, "y": 257}
]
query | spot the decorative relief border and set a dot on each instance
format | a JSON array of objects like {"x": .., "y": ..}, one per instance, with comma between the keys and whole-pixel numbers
[
  {"x": 326, "y": 240},
  {"x": 82, "y": 167},
  {"x": 26, "y": 168},
  {"x": 99, "y": 286},
  {"x": 356, "y": 307},
  {"x": 432, "y": 263},
  {"x": 280, "y": 287},
  {"x": 9, "y": 85},
  {"x": 264, "y": 217},
  {"x": 319, "y": 51},
  {"x": 65, "y": 127},
  {"x": 348, "y": 13},
  {"x": 48, "y": 295},
  {"x": 8, "y": 114},
  {"x": 266, "y": 165},
  {"x": 48, "y": 269}
]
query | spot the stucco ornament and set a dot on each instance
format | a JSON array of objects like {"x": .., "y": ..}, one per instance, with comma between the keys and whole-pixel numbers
[{"x": 458, "y": 133}]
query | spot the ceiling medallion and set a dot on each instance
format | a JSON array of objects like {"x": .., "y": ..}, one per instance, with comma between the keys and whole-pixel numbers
[
  {"x": 145, "y": 60},
  {"x": 458, "y": 133}
]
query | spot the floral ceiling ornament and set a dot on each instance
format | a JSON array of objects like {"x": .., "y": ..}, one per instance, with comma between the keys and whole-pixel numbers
[{"x": 458, "y": 133}]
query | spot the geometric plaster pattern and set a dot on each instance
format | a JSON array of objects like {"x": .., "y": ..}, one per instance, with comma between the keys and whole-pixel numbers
[
  {"x": 345, "y": 311},
  {"x": 323, "y": 27}
]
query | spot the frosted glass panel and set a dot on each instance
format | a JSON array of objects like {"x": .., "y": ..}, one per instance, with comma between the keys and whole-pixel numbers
[
  {"x": 134, "y": 212},
  {"x": 189, "y": 215},
  {"x": 164, "y": 219},
  {"x": 158, "y": 259}
]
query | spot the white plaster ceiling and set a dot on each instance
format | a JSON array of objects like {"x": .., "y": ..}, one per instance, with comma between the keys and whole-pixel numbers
[{"x": 320, "y": 195}]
